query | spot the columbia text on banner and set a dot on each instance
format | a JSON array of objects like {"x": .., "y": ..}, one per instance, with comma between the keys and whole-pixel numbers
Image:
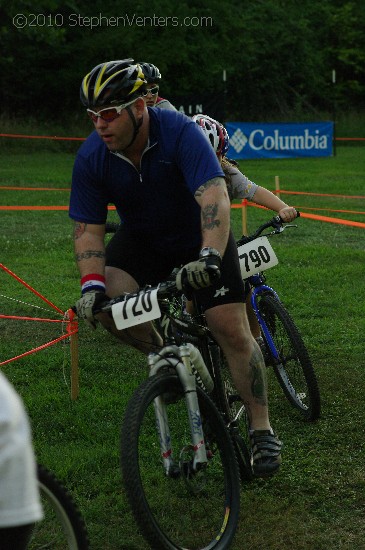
[{"x": 249, "y": 140}]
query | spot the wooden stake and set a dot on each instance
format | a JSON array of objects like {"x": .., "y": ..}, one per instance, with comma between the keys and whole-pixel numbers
[
  {"x": 244, "y": 217},
  {"x": 74, "y": 346},
  {"x": 73, "y": 331},
  {"x": 277, "y": 186}
]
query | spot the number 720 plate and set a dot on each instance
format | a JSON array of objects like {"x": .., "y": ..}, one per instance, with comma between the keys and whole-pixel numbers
[{"x": 256, "y": 256}]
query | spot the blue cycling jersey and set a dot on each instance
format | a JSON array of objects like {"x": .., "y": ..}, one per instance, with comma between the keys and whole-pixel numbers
[{"x": 157, "y": 201}]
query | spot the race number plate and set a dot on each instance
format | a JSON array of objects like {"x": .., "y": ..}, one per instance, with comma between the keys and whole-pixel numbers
[
  {"x": 256, "y": 256},
  {"x": 136, "y": 310}
]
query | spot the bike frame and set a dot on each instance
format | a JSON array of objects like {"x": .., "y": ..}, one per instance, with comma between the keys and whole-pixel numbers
[{"x": 257, "y": 291}]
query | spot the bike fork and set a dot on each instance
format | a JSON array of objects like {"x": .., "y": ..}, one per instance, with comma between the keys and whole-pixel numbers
[{"x": 183, "y": 369}]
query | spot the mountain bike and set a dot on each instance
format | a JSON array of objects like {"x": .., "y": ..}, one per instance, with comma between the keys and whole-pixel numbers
[
  {"x": 179, "y": 441},
  {"x": 283, "y": 347},
  {"x": 63, "y": 527},
  {"x": 182, "y": 424}
]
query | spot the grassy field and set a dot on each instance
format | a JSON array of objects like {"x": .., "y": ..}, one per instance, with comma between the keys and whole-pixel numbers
[{"x": 317, "y": 500}]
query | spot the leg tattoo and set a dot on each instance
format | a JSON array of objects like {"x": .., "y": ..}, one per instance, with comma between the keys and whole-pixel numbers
[{"x": 258, "y": 381}]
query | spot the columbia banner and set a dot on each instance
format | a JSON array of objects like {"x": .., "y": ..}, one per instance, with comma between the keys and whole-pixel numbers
[{"x": 283, "y": 140}]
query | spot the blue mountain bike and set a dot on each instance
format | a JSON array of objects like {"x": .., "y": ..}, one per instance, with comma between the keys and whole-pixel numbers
[{"x": 282, "y": 345}]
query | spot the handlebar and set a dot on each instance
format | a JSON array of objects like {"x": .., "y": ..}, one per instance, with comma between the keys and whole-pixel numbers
[
  {"x": 276, "y": 223},
  {"x": 168, "y": 288}
]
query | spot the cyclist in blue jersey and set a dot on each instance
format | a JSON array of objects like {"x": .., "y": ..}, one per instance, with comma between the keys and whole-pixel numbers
[{"x": 165, "y": 180}]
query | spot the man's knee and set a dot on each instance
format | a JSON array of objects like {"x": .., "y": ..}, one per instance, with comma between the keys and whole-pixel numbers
[{"x": 234, "y": 336}]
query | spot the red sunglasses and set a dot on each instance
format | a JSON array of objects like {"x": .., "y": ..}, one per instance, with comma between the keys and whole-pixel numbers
[{"x": 109, "y": 114}]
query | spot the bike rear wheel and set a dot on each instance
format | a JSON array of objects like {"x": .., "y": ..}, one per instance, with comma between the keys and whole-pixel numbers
[
  {"x": 293, "y": 369},
  {"x": 183, "y": 509},
  {"x": 63, "y": 527}
]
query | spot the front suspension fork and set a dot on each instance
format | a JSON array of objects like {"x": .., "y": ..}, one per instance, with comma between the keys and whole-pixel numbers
[{"x": 181, "y": 363}]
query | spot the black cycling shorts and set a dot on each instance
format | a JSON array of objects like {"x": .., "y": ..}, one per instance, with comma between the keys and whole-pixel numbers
[{"x": 147, "y": 266}]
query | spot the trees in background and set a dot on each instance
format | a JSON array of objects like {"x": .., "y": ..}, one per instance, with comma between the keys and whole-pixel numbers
[{"x": 278, "y": 55}]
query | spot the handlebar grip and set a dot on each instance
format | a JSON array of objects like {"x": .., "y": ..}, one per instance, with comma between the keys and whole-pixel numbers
[{"x": 279, "y": 219}]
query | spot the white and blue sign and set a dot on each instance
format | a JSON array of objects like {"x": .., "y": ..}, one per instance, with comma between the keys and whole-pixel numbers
[{"x": 282, "y": 140}]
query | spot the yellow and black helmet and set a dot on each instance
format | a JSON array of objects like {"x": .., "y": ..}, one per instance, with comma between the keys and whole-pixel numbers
[{"x": 112, "y": 82}]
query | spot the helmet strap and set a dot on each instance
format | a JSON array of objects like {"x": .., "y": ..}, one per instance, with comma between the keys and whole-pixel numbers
[{"x": 136, "y": 126}]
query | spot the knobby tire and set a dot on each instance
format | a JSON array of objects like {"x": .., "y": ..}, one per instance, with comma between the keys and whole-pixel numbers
[
  {"x": 294, "y": 371},
  {"x": 63, "y": 527},
  {"x": 195, "y": 511}
]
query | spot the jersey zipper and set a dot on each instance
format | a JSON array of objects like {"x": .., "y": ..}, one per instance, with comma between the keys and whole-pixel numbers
[{"x": 139, "y": 172}]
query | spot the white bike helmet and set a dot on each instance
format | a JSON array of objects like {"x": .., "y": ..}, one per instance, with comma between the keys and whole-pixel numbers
[{"x": 215, "y": 132}]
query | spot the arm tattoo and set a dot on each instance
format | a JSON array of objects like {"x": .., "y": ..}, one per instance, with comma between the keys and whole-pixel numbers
[
  {"x": 79, "y": 229},
  {"x": 258, "y": 382},
  {"x": 89, "y": 254},
  {"x": 209, "y": 216},
  {"x": 215, "y": 182}
]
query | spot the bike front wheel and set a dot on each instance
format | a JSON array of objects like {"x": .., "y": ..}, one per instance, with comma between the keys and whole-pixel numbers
[
  {"x": 182, "y": 509},
  {"x": 293, "y": 367},
  {"x": 63, "y": 527}
]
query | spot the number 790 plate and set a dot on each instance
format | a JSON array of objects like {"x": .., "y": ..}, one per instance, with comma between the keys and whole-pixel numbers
[{"x": 256, "y": 256}]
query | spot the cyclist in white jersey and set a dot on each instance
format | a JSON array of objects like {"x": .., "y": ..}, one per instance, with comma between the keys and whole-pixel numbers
[{"x": 20, "y": 503}]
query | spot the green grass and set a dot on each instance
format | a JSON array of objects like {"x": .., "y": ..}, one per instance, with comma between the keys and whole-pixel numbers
[{"x": 317, "y": 500}]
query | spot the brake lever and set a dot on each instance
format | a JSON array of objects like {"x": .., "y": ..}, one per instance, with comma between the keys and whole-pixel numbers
[{"x": 280, "y": 224}]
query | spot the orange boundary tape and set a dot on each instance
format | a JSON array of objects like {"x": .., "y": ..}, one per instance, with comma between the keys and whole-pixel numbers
[
  {"x": 313, "y": 216},
  {"x": 33, "y": 207},
  {"x": 42, "y": 137},
  {"x": 71, "y": 324},
  {"x": 81, "y": 139},
  {"x": 2, "y": 266},
  {"x": 39, "y": 348},
  {"x": 31, "y": 319},
  {"x": 339, "y": 221},
  {"x": 349, "y": 139},
  {"x": 14, "y": 188},
  {"x": 41, "y": 207},
  {"x": 72, "y": 329},
  {"x": 306, "y": 208},
  {"x": 278, "y": 191},
  {"x": 329, "y": 210}
]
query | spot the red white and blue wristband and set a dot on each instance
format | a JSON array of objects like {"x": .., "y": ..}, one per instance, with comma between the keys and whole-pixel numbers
[{"x": 92, "y": 282}]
